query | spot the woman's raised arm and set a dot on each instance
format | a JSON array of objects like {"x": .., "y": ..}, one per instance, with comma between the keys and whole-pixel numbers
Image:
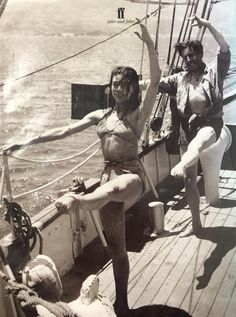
[{"x": 155, "y": 74}]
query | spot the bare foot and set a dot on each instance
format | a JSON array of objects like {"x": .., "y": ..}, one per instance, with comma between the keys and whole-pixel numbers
[{"x": 178, "y": 170}]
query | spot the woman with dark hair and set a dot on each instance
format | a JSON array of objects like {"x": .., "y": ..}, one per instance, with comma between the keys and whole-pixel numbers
[{"x": 119, "y": 128}]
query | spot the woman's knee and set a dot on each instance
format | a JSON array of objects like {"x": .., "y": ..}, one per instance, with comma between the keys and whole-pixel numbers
[
  {"x": 116, "y": 241},
  {"x": 123, "y": 188},
  {"x": 190, "y": 181},
  {"x": 205, "y": 138}
]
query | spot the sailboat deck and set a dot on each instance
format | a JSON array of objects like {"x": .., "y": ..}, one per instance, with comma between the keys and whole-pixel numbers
[{"x": 196, "y": 276}]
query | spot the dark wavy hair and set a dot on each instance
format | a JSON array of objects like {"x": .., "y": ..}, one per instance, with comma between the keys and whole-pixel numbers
[
  {"x": 195, "y": 45},
  {"x": 129, "y": 73}
]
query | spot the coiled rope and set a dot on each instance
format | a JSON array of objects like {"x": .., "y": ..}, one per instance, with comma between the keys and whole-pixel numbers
[{"x": 28, "y": 298}]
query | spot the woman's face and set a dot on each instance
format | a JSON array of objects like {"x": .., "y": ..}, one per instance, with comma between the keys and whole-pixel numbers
[{"x": 120, "y": 88}]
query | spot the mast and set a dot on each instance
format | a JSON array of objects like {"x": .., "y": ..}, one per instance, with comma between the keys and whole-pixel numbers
[
  {"x": 3, "y": 4},
  {"x": 171, "y": 32},
  {"x": 202, "y": 16},
  {"x": 158, "y": 23},
  {"x": 207, "y": 18}
]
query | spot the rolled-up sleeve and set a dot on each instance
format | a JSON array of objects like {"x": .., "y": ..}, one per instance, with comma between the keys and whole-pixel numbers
[
  {"x": 169, "y": 84},
  {"x": 223, "y": 63}
]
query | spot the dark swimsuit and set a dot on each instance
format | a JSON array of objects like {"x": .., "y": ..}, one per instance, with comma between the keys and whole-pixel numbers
[{"x": 190, "y": 131}]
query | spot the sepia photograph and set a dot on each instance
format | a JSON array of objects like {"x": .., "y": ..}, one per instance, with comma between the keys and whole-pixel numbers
[{"x": 117, "y": 158}]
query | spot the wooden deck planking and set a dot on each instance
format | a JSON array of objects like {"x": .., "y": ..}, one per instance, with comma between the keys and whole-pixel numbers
[
  {"x": 165, "y": 270},
  {"x": 231, "y": 309},
  {"x": 137, "y": 259},
  {"x": 185, "y": 283},
  {"x": 192, "y": 298},
  {"x": 145, "y": 256},
  {"x": 223, "y": 298},
  {"x": 178, "y": 272},
  {"x": 150, "y": 265},
  {"x": 208, "y": 295}
]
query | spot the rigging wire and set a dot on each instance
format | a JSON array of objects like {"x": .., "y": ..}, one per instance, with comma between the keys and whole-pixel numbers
[
  {"x": 172, "y": 61},
  {"x": 207, "y": 18},
  {"x": 202, "y": 16},
  {"x": 188, "y": 28},
  {"x": 57, "y": 160},
  {"x": 153, "y": 13},
  {"x": 60, "y": 177},
  {"x": 179, "y": 37},
  {"x": 171, "y": 32},
  {"x": 158, "y": 24},
  {"x": 142, "y": 53},
  {"x": 66, "y": 58}
]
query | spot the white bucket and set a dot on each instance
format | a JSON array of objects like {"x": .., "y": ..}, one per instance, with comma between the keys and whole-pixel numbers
[
  {"x": 211, "y": 159},
  {"x": 156, "y": 215}
]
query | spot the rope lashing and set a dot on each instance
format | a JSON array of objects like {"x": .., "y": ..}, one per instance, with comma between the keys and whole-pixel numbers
[
  {"x": 56, "y": 160},
  {"x": 28, "y": 298},
  {"x": 60, "y": 177}
]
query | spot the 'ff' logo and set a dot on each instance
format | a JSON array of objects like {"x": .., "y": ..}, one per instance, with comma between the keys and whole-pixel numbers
[{"x": 120, "y": 12}]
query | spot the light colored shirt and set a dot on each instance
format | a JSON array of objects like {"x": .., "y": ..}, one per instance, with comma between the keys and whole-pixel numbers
[{"x": 212, "y": 84}]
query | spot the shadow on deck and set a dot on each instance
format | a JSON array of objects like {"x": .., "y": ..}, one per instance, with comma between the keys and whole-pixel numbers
[{"x": 170, "y": 276}]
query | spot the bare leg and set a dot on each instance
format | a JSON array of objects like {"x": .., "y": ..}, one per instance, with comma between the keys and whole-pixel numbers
[
  {"x": 113, "y": 220},
  {"x": 205, "y": 137},
  {"x": 193, "y": 199},
  {"x": 125, "y": 188}
]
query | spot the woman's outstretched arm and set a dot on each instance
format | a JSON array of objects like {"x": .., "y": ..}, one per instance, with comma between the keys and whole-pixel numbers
[{"x": 59, "y": 133}]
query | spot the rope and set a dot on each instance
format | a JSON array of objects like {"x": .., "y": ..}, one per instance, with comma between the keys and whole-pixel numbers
[
  {"x": 22, "y": 226},
  {"x": 57, "y": 160},
  {"x": 208, "y": 13},
  {"x": 171, "y": 32},
  {"x": 28, "y": 298},
  {"x": 158, "y": 23},
  {"x": 60, "y": 177},
  {"x": 153, "y": 13},
  {"x": 78, "y": 53},
  {"x": 172, "y": 63},
  {"x": 202, "y": 16},
  {"x": 142, "y": 53}
]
